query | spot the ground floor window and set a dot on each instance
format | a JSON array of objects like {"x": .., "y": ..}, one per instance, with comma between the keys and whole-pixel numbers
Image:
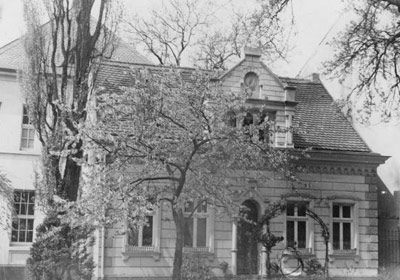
[
  {"x": 197, "y": 226},
  {"x": 23, "y": 225},
  {"x": 296, "y": 225},
  {"x": 342, "y": 227},
  {"x": 142, "y": 236}
]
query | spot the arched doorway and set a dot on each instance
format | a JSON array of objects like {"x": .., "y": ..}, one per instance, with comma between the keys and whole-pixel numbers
[{"x": 247, "y": 246}]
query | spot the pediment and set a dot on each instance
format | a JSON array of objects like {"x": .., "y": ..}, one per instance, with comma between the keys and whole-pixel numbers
[{"x": 253, "y": 78}]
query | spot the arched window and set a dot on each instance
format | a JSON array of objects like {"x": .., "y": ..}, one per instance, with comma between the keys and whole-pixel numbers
[
  {"x": 251, "y": 85},
  {"x": 248, "y": 120}
]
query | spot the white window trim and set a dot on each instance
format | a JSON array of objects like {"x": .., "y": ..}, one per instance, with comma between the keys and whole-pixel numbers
[
  {"x": 144, "y": 251},
  {"x": 354, "y": 228},
  {"x": 209, "y": 248},
  {"x": 19, "y": 216},
  {"x": 309, "y": 227}
]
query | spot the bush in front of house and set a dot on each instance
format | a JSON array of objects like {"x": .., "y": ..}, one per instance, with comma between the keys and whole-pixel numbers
[{"x": 60, "y": 252}]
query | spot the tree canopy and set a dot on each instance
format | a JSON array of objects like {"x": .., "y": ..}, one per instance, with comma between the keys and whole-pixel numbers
[
  {"x": 179, "y": 31},
  {"x": 167, "y": 137},
  {"x": 369, "y": 48}
]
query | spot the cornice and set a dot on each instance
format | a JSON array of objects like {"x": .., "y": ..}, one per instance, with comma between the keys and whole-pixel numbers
[
  {"x": 339, "y": 162},
  {"x": 325, "y": 168},
  {"x": 267, "y": 102}
]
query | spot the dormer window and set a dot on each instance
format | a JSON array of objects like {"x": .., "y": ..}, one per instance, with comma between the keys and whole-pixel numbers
[
  {"x": 248, "y": 120},
  {"x": 231, "y": 119},
  {"x": 266, "y": 124},
  {"x": 251, "y": 85}
]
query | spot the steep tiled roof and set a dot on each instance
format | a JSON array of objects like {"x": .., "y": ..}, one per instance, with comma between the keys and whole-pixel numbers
[
  {"x": 11, "y": 55},
  {"x": 319, "y": 123}
]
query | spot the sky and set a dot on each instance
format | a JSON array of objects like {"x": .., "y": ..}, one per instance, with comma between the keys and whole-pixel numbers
[{"x": 316, "y": 22}]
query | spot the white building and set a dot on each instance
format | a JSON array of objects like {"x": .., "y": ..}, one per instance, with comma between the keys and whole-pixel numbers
[{"x": 20, "y": 156}]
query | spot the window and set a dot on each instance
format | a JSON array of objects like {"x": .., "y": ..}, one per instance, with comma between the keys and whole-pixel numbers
[
  {"x": 142, "y": 236},
  {"x": 28, "y": 131},
  {"x": 144, "y": 240},
  {"x": 251, "y": 85},
  {"x": 342, "y": 227},
  {"x": 231, "y": 119},
  {"x": 266, "y": 124},
  {"x": 196, "y": 233},
  {"x": 296, "y": 225},
  {"x": 22, "y": 227}
]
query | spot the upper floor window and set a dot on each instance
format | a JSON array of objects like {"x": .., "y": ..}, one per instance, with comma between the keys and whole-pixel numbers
[
  {"x": 27, "y": 132},
  {"x": 197, "y": 227},
  {"x": 342, "y": 227},
  {"x": 266, "y": 127},
  {"x": 251, "y": 85},
  {"x": 231, "y": 119},
  {"x": 24, "y": 205}
]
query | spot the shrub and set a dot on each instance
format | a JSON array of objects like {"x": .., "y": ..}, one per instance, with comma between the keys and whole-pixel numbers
[
  {"x": 60, "y": 252},
  {"x": 195, "y": 268}
]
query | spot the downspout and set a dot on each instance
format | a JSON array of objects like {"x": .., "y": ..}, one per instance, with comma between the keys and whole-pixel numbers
[{"x": 102, "y": 253}]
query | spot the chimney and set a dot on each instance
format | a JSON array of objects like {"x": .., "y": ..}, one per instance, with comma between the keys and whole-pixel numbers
[
  {"x": 315, "y": 77},
  {"x": 252, "y": 53}
]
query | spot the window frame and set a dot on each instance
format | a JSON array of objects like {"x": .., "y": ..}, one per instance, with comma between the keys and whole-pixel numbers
[
  {"x": 209, "y": 215},
  {"x": 25, "y": 216},
  {"x": 30, "y": 131},
  {"x": 257, "y": 119},
  {"x": 309, "y": 248},
  {"x": 354, "y": 235},
  {"x": 154, "y": 251}
]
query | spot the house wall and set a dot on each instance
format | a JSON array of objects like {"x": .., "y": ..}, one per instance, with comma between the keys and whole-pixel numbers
[
  {"x": 18, "y": 165},
  {"x": 319, "y": 188}
]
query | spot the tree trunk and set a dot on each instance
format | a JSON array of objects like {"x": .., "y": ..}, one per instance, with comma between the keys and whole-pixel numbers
[
  {"x": 268, "y": 263},
  {"x": 326, "y": 259},
  {"x": 71, "y": 179},
  {"x": 179, "y": 221}
]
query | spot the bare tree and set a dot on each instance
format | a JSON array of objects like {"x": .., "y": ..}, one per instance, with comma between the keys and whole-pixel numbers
[
  {"x": 369, "y": 47},
  {"x": 171, "y": 29},
  {"x": 181, "y": 27},
  {"x": 57, "y": 81}
]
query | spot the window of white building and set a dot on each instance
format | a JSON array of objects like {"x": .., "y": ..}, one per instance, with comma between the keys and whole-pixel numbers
[
  {"x": 22, "y": 227},
  {"x": 27, "y": 132}
]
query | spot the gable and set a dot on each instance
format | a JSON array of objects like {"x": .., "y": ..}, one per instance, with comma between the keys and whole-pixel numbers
[{"x": 269, "y": 85}]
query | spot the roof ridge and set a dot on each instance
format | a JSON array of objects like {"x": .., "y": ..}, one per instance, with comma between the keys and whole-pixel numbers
[{"x": 5, "y": 47}]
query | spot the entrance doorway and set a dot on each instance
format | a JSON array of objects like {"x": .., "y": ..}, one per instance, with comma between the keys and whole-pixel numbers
[{"x": 247, "y": 246}]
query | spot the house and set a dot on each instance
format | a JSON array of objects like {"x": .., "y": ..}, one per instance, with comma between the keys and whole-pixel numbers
[
  {"x": 19, "y": 156},
  {"x": 337, "y": 180}
]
